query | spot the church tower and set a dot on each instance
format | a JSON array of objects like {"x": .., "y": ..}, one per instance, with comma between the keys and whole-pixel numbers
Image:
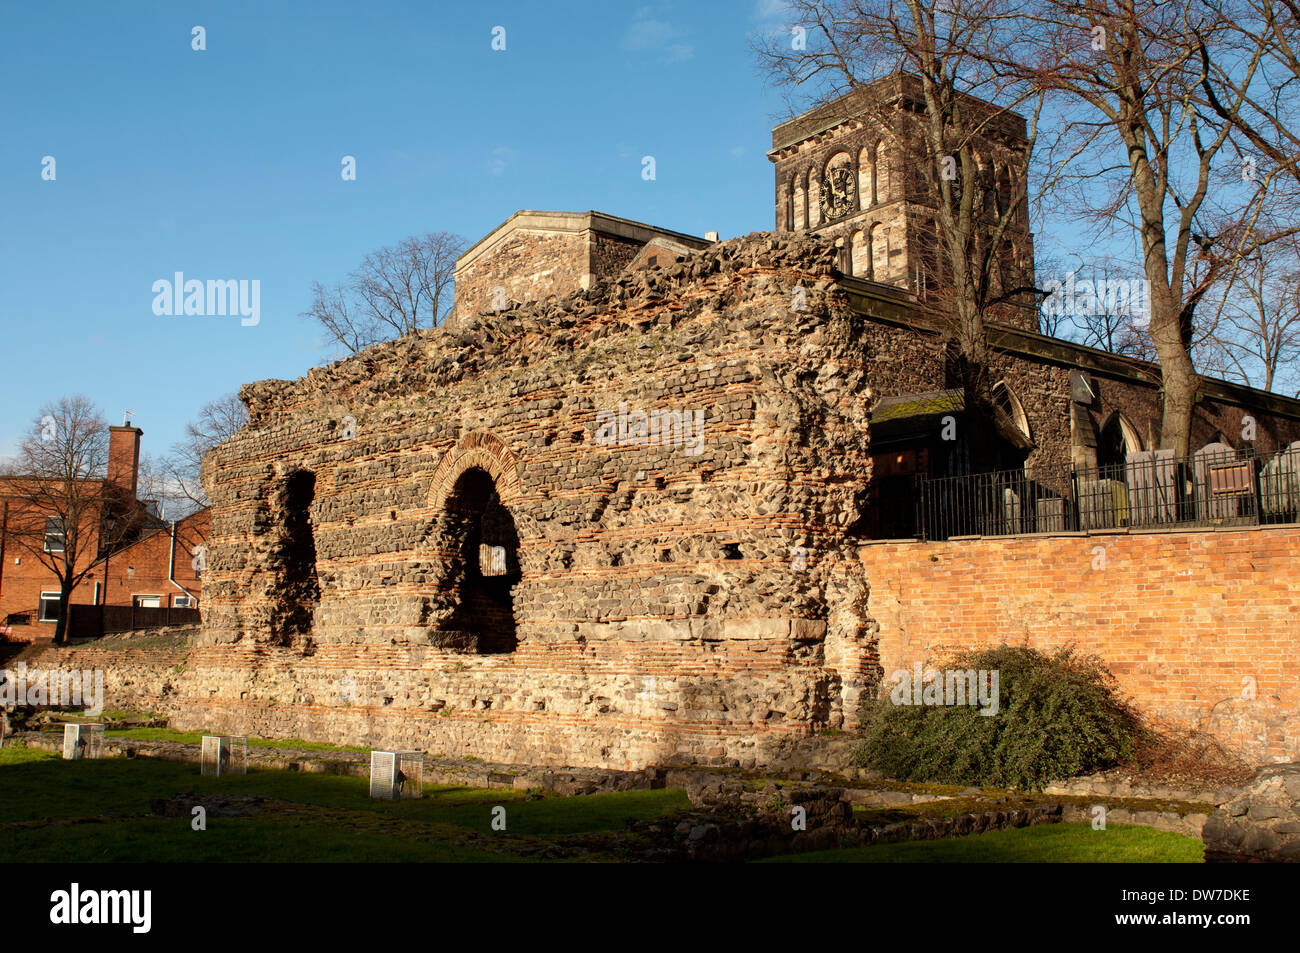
[{"x": 842, "y": 172}]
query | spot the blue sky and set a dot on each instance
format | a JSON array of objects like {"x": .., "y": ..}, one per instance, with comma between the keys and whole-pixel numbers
[{"x": 225, "y": 163}]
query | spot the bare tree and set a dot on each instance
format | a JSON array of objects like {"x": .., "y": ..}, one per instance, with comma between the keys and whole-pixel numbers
[
  {"x": 178, "y": 480},
  {"x": 1138, "y": 143},
  {"x": 935, "y": 89},
  {"x": 393, "y": 292},
  {"x": 60, "y": 509},
  {"x": 1097, "y": 308},
  {"x": 1250, "y": 58},
  {"x": 1254, "y": 333}
]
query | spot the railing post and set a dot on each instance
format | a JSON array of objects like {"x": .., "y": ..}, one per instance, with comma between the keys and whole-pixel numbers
[
  {"x": 1074, "y": 501},
  {"x": 1257, "y": 478},
  {"x": 918, "y": 488}
]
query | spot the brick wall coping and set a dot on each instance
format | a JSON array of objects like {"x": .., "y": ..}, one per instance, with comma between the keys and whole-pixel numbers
[{"x": 1122, "y": 531}]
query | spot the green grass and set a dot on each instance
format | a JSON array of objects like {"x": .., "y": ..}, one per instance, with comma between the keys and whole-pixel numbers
[
  {"x": 1041, "y": 844},
  {"x": 268, "y": 840},
  {"x": 99, "y": 810},
  {"x": 53, "y": 810}
]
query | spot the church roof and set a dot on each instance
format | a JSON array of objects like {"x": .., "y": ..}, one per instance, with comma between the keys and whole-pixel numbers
[{"x": 575, "y": 223}]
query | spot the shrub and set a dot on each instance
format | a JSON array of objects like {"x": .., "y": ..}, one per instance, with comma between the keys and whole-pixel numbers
[{"x": 1058, "y": 716}]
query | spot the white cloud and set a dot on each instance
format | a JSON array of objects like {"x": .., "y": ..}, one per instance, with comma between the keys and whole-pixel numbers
[
  {"x": 650, "y": 33},
  {"x": 502, "y": 158},
  {"x": 772, "y": 10}
]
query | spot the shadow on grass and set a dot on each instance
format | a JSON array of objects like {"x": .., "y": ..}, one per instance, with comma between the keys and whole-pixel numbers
[
  {"x": 261, "y": 839},
  {"x": 39, "y": 786},
  {"x": 1040, "y": 844}
]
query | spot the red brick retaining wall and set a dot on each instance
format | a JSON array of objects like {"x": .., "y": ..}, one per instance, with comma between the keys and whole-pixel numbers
[{"x": 1188, "y": 622}]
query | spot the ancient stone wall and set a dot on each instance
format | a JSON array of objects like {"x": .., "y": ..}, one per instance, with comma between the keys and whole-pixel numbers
[
  {"x": 142, "y": 670},
  {"x": 681, "y": 455},
  {"x": 613, "y": 529},
  {"x": 1198, "y": 627}
]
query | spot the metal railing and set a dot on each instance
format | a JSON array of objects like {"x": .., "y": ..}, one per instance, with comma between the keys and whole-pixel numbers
[
  {"x": 1216, "y": 486},
  {"x": 89, "y": 621}
]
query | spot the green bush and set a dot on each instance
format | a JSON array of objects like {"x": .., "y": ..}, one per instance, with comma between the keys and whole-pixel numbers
[{"x": 1058, "y": 716}]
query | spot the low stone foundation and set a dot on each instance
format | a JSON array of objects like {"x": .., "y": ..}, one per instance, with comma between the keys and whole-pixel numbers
[
  {"x": 1262, "y": 823},
  {"x": 142, "y": 670}
]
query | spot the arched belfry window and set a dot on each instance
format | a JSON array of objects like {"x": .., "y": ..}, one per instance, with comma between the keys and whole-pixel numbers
[
  {"x": 861, "y": 252},
  {"x": 884, "y": 182},
  {"x": 866, "y": 178}
]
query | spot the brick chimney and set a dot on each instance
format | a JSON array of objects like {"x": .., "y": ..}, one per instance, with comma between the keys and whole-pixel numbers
[{"x": 124, "y": 457}]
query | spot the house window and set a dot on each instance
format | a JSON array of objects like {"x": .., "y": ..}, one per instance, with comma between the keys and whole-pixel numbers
[
  {"x": 147, "y": 602},
  {"x": 182, "y": 602},
  {"x": 50, "y": 606},
  {"x": 54, "y": 536}
]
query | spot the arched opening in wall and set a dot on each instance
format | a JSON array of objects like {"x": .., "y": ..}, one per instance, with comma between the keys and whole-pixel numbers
[
  {"x": 1011, "y": 440},
  {"x": 485, "y": 564},
  {"x": 1010, "y": 411},
  {"x": 880, "y": 270},
  {"x": 1004, "y": 189},
  {"x": 866, "y": 179},
  {"x": 800, "y": 203},
  {"x": 883, "y": 185},
  {"x": 861, "y": 245},
  {"x": 297, "y": 586},
  {"x": 1117, "y": 439}
]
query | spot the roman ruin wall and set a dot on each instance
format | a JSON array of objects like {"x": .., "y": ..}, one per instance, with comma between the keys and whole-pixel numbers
[{"x": 662, "y": 472}]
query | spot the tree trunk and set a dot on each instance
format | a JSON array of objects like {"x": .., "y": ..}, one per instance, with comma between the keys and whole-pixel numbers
[
  {"x": 61, "y": 621},
  {"x": 1177, "y": 374}
]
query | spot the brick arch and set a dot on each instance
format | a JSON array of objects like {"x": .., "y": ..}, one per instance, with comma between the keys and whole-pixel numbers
[{"x": 477, "y": 448}]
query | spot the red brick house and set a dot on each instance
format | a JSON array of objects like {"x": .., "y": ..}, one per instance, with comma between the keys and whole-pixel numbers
[{"x": 152, "y": 565}]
